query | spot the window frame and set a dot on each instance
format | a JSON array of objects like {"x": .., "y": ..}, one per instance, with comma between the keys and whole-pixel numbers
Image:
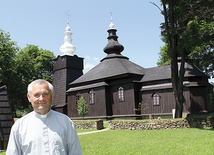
[
  {"x": 121, "y": 96},
  {"x": 156, "y": 99},
  {"x": 91, "y": 96}
]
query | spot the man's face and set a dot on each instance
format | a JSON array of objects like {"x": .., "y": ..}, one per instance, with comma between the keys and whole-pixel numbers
[{"x": 40, "y": 98}]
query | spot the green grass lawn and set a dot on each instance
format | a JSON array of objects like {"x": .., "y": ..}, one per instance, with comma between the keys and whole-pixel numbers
[
  {"x": 85, "y": 130},
  {"x": 149, "y": 142}
]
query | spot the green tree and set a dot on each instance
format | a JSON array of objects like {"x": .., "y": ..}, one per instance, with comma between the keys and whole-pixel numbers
[
  {"x": 32, "y": 63},
  {"x": 164, "y": 58},
  {"x": 203, "y": 54},
  {"x": 203, "y": 57},
  {"x": 8, "y": 50},
  {"x": 188, "y": 24},
  {"x": 82, "y": 107}
]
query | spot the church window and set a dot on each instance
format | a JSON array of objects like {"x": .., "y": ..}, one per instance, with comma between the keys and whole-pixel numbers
[
  {"x": 156, "y": 99},
  {"x": 121, "y": 94},
  {"x": 91, "y": 97}
]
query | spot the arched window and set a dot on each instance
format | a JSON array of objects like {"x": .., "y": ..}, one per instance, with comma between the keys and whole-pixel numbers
[
  {"x": 156, "y": 99},
  {"x": 121, "y": 94},
  {"x": 91, "y": 97}
]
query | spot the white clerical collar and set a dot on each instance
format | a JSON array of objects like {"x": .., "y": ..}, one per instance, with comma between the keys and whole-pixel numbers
[{"x": 42, "y": 116}]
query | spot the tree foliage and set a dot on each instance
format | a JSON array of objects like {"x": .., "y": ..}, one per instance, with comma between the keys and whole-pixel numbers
[
  {"x": 32, "y": 63},
  {"x": 188, "y": 25},
  {"x": 164, "y": 58},
  {"x": 19, "y": 67},
  {"x": 82, "y": 107},
  {"x": 197, "y": 35},
  {"x": 8, "y": 50}
]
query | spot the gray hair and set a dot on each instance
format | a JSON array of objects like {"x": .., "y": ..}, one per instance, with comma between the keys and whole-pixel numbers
[{"x": 40, "y": 81}]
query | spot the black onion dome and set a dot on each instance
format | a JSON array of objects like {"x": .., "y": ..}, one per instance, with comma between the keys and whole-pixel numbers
[{"x": 113, "y": 45}]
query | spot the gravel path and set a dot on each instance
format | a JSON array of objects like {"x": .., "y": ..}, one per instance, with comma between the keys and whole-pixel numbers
[{"x": 84, "y": 133}]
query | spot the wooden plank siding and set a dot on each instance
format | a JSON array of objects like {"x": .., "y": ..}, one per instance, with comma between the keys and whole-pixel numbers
[
  {"x": 96, "y": 109},
  {"x": 60, "y": 87},
  {"x": 99, "y": 106},
  {"x": 6, "y": 116},
  {"x": 106, "y": 101},
  {"x": 126, "y": 107},
  {"x": 198, "y": 99},
  {"x": 167, "y": 102},
  {"x": 195, "y": 100},
  {"x": 66, "y": 70}
]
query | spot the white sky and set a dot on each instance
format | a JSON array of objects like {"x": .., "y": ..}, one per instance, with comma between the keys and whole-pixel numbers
[{"x": 42, "y": 23}]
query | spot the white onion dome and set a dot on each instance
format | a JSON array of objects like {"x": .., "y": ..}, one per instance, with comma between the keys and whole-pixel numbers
[
  {"x": 111, "y": 25},
  {"x": 67, "y": 48}
]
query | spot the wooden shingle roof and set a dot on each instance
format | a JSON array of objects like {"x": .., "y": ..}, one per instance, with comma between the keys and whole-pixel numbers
[
  {"x": 164, "y": 72},
  {"x": 111, "y": 67}
]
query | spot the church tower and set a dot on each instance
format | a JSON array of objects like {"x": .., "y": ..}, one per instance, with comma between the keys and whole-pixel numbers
[{"x": 67, "y": 68}]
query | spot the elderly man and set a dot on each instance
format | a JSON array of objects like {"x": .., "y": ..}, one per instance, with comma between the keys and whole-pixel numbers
[{"x": 43, "y": 131}]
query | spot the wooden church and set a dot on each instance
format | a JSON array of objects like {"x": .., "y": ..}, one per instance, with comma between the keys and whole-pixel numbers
[{"x": 117, "y": 87}]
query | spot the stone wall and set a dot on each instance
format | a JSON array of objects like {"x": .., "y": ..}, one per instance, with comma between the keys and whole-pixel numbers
[
  {"x": 148, "y": 124},
  {"x": 201, "y": 120},
  {"x": 97, "y": 124},
  {"x": 205, "y": 121}
]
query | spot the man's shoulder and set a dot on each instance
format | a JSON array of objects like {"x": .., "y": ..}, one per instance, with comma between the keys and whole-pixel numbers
[
  {"x": 23, "y": 119},
  {"x": 26, "y": 116},
  {"x": 62, "y": 118},
  {"x": 59, "y": 114}
]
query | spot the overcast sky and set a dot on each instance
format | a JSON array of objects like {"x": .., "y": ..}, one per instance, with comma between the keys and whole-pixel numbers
[{"x": 43, "y": 22}]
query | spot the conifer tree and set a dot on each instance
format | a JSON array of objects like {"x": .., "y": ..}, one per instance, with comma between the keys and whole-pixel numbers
[{"x": 82, "y": 107}]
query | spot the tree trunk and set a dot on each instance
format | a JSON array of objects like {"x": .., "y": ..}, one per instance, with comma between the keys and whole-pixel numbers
[
  {"x": 177, "y": 74},
  {"x": 177, "y": 83}
]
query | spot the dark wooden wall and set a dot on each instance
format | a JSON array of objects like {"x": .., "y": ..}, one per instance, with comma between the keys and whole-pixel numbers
[
  {"x": 167, "y": 102},
  {"x": 96, "y": 109},
  {"x": 6, "y": 116},
  {"x": 198, "y": 99},
  {"x": 195, "y": 101},
  {"x": 66, "y": 70},
  {"x": 60, "y": 88},
  {"x": 106, "y": 101},
  {"x": 126, "y": 107},
  {"x": 166, "y": 105}
]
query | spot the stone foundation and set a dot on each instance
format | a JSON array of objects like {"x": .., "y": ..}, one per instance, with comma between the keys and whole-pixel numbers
[
  {"x": 148, "y": 124},
  {"x": 205, "y": 121},
  {"x": 201, "y": 120},
  {"x": 98, "y": 124}
]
